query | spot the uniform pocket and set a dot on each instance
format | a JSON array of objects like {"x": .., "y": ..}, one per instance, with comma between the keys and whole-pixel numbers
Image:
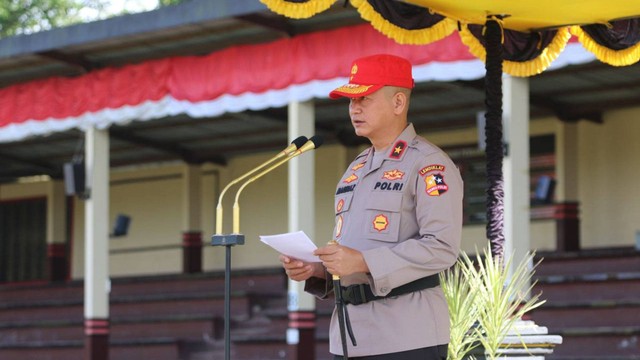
[
  {"x": 383, "y": 215},
  {"x": 342, "y": 203}
]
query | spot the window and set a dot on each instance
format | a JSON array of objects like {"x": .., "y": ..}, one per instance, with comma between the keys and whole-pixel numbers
[{"x": 23, "y": 245}]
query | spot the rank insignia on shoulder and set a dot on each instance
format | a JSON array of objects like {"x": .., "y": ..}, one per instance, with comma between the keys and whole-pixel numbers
[
  {"x": 432, "y": 167},
  {"x": 397, "y": 149},
  {"x": 357, "y": 167},
  {"x": 393, "y": 175},
  {"x": 435, "y": 185},
  {"x": 351, "y": 178}
]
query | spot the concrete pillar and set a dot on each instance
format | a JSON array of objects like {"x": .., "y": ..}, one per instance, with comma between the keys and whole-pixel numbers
[
  {"x": 96, "y": 256},
  {"x": 57, "y": 259},
  {"x": 516, "y": 168},
  {"x": 301, "y": 305},
  {"x": 192, "y": 212}
]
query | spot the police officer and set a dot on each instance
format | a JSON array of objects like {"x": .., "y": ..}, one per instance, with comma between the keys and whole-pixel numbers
[{"x": 398, "y": 223}]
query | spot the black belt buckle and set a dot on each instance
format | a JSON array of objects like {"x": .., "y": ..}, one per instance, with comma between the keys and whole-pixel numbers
[{"x": 355, "y": 294}]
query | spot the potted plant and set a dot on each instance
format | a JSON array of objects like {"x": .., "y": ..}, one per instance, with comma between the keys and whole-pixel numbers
[{"x": 485, "y": 300}]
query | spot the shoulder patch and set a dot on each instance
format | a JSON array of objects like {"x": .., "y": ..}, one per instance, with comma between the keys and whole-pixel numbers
[{"x": 435, "y": 185}]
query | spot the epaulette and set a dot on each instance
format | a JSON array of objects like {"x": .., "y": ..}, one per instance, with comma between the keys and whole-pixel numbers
[{"x": 424, "y": 146}]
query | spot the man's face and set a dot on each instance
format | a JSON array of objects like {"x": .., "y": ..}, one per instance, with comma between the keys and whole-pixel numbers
[{"x": 372, "y": 115}]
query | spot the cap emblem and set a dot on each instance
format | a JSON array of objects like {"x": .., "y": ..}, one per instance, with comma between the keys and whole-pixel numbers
[{"x": 354, "y": 71}]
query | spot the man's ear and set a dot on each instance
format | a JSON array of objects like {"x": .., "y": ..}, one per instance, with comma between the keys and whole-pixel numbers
[{"x": 400, "y": 102}]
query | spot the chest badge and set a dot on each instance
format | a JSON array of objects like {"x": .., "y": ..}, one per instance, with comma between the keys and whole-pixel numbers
[
  {"x": 339, "y": 222},
  {"x": 380, "y": 222},
  {"x": 350, "y": 179},
  {"x": 393, "y": 175}
]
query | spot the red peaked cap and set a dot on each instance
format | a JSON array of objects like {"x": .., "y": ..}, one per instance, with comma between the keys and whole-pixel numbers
[{"x": 370, "y": 73}]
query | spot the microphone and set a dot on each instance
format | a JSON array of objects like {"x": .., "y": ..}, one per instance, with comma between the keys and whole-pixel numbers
[
  {"x": 313, "y": 143},
  {"x": 295, "y": 145}
]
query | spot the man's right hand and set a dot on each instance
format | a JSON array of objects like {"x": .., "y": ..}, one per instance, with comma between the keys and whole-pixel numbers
[{"x": 299, "y": 270}]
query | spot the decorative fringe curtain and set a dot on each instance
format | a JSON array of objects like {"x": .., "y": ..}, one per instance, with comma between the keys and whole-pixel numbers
[
  {"x": 298, "y": 9},
  {"x": 617, "y": 43},
  {"x": 525, "y": 54},
  {"x": 405, "y": 23}
]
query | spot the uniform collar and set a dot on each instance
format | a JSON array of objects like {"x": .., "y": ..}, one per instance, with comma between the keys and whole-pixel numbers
[{"x": 399, "y": 148}]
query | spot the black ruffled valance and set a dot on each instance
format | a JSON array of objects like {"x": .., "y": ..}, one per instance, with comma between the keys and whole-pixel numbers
[
  {"x": 525, "y": 54},
  {"x": 616, "y": 43},
  {"x": 405, "y": 23}
]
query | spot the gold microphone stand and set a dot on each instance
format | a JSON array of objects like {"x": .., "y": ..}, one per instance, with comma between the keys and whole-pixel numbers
[
  {"x": 236, "y": 238},
  {"x": 295, "y": 145}
]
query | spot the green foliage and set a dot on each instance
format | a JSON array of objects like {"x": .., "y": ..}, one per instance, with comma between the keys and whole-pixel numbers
[
  {"x": 485, "y": 301},
  {"x": 463, "y": 311},
  {"x": 28, "y": 16},
  {"x": 169, "y": 2}
]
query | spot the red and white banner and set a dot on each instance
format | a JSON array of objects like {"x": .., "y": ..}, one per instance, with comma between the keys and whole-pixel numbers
[{"x": 231, "y": 80}]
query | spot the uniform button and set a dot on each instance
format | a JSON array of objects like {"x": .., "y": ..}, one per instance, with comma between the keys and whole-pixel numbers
[{"x": 383, "y": 290}]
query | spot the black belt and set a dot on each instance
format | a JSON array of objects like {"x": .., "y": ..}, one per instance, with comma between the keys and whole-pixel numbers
[{"x": 361, "y": 293}]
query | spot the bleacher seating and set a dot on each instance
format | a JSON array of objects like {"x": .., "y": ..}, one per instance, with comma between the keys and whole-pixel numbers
[{"x": 593, "y": 301}]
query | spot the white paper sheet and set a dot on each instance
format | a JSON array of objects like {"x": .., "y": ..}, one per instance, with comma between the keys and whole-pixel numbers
[{"x": 295, "y": 244}]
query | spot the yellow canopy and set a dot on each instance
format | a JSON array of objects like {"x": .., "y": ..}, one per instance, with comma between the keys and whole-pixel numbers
[
  {"x": 528, "y": 15},
  {"x": 534, "y": 17}
]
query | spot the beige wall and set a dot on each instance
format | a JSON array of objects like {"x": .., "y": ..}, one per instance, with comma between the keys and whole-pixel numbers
[
  {"x": 543, "y": 235},
  {"x": 23, "y": 190},
  {"x": 609, "y": 170},
  {"x": 152, "y": 196},
  {"x": 263, "y": 206}
]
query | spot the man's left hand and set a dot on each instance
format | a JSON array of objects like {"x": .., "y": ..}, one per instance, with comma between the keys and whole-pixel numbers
[{"x": 341, "y": 260}]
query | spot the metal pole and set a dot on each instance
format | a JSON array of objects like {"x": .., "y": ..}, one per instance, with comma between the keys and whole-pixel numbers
[{"x": 227, "y": 304}]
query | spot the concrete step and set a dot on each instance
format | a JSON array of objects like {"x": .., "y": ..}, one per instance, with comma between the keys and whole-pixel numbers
[
  {"x": 265, "y": 281},
  {"x": 211, "y": 304},
  {"x": 12, "y": 293},
  {"x": 599, "y": 343},
  {"x": 269, "y": 280},
  {"x": 592, "y": 287},
  {"x": 157, "y": 349},
  {"x": 180, "y": 327},
  {"x": 614, "y": 260},
  {"x": 274, "y": 348},
  {"x": 558, "y": 316}
]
